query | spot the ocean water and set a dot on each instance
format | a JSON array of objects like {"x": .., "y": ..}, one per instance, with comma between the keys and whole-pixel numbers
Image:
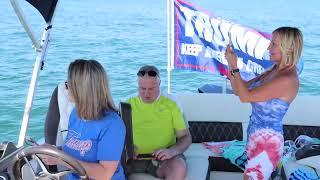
[{"x": 123, "y": 35}]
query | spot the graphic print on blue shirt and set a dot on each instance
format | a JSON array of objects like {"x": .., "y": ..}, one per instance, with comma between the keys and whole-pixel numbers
[
  {"x": 96, "y": 140},
  {"x": 74, "y": 142}
]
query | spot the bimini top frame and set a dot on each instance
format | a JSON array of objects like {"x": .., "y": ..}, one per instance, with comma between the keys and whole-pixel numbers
[{"x": 46, "y": 9}]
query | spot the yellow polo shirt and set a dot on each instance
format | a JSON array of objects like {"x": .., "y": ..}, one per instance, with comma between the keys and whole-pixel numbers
[{"x": 155, "y": 124}]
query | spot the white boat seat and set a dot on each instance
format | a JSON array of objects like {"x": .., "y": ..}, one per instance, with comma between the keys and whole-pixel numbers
[
  {"x": 197, "y": 168},
  {"x": 57, "y": 120},
  {"x": 196, "y": 155},
  {"x": 142, "y": 176}
]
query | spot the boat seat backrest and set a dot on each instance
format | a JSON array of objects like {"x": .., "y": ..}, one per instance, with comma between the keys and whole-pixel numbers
[
  {"x": 126, "y": 115},
  {"x": 65, "y": 108},
  {"x": 202, "y": 131},
  {"x": 213, "y": 117},
  {"x": 302, "y": 118},
  {"x": 222, "y": 117},
  {"x": 291, "y": 132}
]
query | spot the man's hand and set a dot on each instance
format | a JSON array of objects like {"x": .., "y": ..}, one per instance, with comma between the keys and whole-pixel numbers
[{"x": 164, "y": 154}]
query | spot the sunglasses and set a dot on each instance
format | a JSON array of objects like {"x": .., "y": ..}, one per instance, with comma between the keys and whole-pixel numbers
[
  {"x": 150, "y": 73},
  {"x": 66, "y": 84}
]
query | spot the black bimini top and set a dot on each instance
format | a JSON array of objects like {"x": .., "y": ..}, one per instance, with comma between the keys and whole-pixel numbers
[{"x": 45, "y": 7}]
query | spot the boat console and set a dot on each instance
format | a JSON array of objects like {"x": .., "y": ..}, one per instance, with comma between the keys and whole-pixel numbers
[{"x": 7, "y": 153}]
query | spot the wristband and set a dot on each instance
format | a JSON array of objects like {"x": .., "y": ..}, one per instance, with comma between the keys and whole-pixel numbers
[{"x": 234, "y": 71}]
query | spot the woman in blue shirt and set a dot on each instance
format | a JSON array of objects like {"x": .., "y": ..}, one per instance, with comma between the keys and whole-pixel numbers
[{"x": 96, "y": 133}]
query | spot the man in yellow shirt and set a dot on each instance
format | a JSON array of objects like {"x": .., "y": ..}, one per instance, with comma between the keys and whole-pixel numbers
[{"x": 158, "y": 129}]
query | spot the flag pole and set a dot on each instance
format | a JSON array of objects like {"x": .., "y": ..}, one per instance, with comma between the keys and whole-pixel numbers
[
  {"x": 168, "y": 47},
  {"x": 170, "y": 41}
]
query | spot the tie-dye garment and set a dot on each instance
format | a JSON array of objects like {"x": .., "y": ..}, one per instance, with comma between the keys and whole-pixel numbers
[{"x": 265, "y": 137}]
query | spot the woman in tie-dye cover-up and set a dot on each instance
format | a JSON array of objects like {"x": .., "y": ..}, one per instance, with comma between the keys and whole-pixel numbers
[{"x": 270, "y": 95}]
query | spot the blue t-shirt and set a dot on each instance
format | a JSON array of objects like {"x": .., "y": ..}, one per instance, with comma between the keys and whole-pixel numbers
[{"x": 96, "y": 140}]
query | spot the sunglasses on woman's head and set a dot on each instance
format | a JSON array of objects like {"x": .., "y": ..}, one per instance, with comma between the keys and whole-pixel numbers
[{"x": 150, "y": 73}]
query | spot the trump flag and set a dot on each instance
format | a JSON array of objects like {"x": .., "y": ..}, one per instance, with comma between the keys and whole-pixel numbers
[{"x": 200, "y": 40}]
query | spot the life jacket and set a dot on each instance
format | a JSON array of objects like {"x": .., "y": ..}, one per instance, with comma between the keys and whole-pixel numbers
[{"x": 65, "y": 108}]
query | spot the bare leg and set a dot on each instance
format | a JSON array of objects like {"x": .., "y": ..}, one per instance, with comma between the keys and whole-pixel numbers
[{"x": 173, "y": 169}]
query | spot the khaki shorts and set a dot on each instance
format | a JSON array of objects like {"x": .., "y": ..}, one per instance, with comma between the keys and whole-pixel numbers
[{"x": 147, "y": 166}]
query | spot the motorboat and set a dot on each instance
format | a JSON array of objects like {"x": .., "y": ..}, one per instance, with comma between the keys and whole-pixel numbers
[{"x": 208, "y": 120}]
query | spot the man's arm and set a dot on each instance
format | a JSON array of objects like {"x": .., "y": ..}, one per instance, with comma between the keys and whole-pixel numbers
[
  {"x": 183, "y": 141},
  {"x": 182, "y": 132}
]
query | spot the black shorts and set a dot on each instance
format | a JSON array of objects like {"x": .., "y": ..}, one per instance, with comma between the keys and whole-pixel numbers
[{"x": 149, "y": 166}]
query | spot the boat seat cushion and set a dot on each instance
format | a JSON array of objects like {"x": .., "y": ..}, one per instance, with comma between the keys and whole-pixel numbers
[
  {"x": 291, "y": 132},
  {"x": 198, "y": 150},
  {"x": 202, "y": 131},
  {"x": 207, "y": 131},
  {"x": 197, "y": 168},
  {"x": 216, "y": 162},
  {"x": 142, "y": 176},
  {"x": 197, "y": 164}
]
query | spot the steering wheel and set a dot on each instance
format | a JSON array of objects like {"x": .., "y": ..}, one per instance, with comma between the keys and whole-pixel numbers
[{"x": 23, "y": 158}]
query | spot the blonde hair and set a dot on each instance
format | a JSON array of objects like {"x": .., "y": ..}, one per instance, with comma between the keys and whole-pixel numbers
[
  {"x": 291, "y": 44},
  {"x": 89, "y": 88}
]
